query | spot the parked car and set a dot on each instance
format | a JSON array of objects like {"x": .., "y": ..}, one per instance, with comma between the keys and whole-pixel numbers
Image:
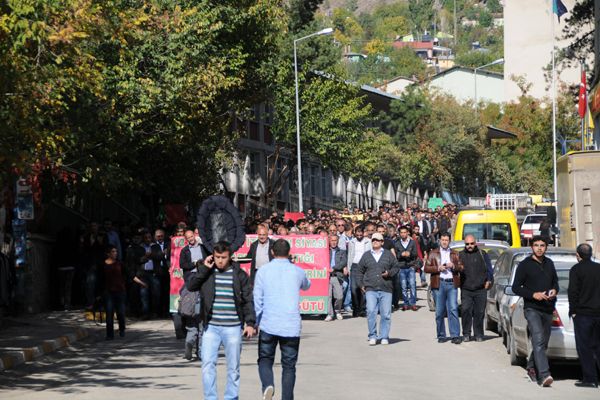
[
  {"x": 511, "y": 323},
  {"x": 531, "y": 227},
  {"x": 494, "y": 248}
]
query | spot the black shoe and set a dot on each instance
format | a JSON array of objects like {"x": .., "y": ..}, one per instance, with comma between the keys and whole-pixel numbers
[
  {"x": 479, "y": 339},
  {"x": 466, "y": 338},
  {"x": 122, "y": 333},
  {"x": 586, "y": 384},
  {"x": 456, "y": 340},
  {"x": 531, "y": 374},
  {"x": 442, "y": 340}
]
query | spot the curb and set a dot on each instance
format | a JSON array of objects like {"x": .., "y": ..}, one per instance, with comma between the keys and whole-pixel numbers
[{"x": 13, "y": 358}]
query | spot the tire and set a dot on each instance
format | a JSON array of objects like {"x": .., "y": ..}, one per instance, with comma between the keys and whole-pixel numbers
[
  {"x": 491, "y": 325},
  {"x": 514, "y": 358}
]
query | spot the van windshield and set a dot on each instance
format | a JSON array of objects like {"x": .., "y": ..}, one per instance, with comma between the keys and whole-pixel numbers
[
  {"x": 482, "y": 231},
  {"x": 534, "y": 219}
]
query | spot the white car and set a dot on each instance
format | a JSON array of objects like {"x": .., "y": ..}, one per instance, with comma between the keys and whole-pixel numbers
[
  {"x": 513, "y": 325},
  {"x": 531, "y": 227}
]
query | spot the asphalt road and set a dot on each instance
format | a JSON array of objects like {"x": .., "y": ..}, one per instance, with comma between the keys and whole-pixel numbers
[{"x": 335, "y": 363}]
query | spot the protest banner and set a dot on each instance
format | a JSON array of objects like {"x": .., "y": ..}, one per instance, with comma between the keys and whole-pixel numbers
[
  {"x": 177, "y": 244},
  {"x": 294, "y": 216},
  {"x": 311, "y": 253},
  {"x": 354, "y": 217}
]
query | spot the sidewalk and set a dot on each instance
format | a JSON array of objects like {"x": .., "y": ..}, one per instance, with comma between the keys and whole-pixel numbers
[{"x": 28, "y": 337}]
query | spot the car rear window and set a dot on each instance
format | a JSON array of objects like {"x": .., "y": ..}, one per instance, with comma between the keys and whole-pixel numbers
[
  {"x": 482, "y": 231},
  {"x": 534, "y": 219}
]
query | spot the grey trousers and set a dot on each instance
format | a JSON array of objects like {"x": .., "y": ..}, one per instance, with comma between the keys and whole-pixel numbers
[
  {"x": 335, "y": 289},
  {"x": 540, "y": 326}
]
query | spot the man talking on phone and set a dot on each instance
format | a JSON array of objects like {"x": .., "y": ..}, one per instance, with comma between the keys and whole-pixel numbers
[
  {"x": 536, "y": 281},
  {"x": 227, "y": 313}
]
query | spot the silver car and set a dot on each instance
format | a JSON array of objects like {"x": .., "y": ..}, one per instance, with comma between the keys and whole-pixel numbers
[
  {"x": 494, "y": 248},
  {"x": 514, "y": 325}
]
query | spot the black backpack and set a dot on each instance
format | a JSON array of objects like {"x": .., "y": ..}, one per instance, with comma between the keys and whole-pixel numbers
[{"x": 187, "y": 302}]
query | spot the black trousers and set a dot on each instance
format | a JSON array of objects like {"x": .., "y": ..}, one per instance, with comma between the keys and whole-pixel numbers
[
  {"x": 473, "y": 311},
  {"x": 359, "y": 305},
  {"x": 587, "y": 340}
]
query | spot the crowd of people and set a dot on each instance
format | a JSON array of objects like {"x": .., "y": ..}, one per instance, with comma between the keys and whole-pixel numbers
[{"x": 376, "y": 257}]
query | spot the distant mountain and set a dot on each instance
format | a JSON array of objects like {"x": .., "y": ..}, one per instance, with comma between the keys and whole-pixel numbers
[{"x": 361, "y": 5}]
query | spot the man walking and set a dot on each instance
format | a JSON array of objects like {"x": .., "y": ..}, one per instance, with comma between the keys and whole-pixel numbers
[
  {"x": 406, "y": 252},
  {"x": 276, "y": 298},
  {"x": 584, "y": 308},
  {"x": 260, "y": 251},
  {"x": 536, "y": 281},
  {"x": 377, "y": 269},
  {"x": 227, "y": 309},
  {"x": 445, "y": 266},
  {"x": 476, "y": 278},
  {"x": 338, "y": 273},
  {"x": 356, "y": 248}
]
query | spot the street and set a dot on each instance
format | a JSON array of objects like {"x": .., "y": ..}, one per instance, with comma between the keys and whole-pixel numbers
[{"x": 335, "y": 363}]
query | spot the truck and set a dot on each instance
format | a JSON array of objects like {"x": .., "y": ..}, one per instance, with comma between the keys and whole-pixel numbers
[
  {"x": 519, "y": 203},
  {"x": 578, "y": 192}
]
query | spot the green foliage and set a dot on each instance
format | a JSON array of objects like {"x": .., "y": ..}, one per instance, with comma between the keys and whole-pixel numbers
[
  {"x": 132, "y": 94},
  {"x": 494, "y": 6},
  {"x": 301, "y": 13},
  {"x": 421, "y": 12}
]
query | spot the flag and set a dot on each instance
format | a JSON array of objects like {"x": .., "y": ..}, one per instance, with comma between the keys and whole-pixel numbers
[
  {"x": 590, "y": 119},
  {"x": 559, "y": 8},
  {"x": 582, "y": 95}
]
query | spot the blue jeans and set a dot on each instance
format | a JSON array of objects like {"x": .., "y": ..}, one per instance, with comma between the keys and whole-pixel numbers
[
  {"x": 150, "y": 296},
  {"x": 447, "y": 302},
  {"x": 346, "y": 285},
  {"x": 231, "y": 338},
  {"x": 408, "y": 281},
  {"x": 115, "y": 301},
  {"x": 267, "y": 344},
  {"x": 379, "y": 301}
]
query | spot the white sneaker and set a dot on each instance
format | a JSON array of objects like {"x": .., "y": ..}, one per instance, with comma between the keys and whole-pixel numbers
[
  {"x": 268, "y": 393},
  {"x": 339, "y": 316},
  {"x": 372, "y": 342},
  {"x": 328, "y": 318},
  {"x": 385, "y": 341}
]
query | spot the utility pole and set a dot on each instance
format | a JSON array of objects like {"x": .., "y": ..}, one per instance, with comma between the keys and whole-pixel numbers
[{"x": 455, "y": 37}]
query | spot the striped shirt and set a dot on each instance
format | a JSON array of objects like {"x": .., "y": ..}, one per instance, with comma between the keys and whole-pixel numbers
[{"x": 223, "y": 311}]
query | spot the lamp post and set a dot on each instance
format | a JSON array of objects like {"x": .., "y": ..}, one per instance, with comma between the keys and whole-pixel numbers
[
  {"x": 495, "y": 62},
  {"x": 326, "y": 31}
]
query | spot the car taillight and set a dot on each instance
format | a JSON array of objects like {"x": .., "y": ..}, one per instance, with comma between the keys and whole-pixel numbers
[{"x": 556, "y": 322}]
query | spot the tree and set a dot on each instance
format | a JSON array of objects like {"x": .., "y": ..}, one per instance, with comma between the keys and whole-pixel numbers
[
  {"x": 421, "y": 12},
  {"x": 301, "y": 13},
  {"x": 579, "y": 30}
]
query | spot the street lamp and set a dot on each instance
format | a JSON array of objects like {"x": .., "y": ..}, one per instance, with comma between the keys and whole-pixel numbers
[
  {"x": 495, "y": 62},
  {"x": 326, "y": 31}
]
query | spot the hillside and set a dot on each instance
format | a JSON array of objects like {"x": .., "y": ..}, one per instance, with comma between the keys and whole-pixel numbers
[{"x": 362, "y": 6}]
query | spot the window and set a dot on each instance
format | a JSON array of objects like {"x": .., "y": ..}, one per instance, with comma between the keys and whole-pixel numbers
[
  {"x": 489, "y": 231},
  {"x": 254, "y": 159}
]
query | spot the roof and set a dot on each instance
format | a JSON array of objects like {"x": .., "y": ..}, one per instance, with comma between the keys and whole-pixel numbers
[
  {"x": 480, "y": 72},
  {"x": 414, "y": 45},
  {"x": 398, "y": 78},
  {"x": 497, "y": 133}
]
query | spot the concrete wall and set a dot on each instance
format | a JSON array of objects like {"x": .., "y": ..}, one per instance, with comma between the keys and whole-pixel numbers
[
  {"x": 461, "y": 84},
  {"x": 528, "y": 45}
]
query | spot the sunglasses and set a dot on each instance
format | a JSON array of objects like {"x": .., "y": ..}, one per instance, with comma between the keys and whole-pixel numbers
[{"x": 470, "y": 244}]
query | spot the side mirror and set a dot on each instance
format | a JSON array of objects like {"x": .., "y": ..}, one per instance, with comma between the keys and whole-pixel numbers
[{"x": 508, "y": 291}]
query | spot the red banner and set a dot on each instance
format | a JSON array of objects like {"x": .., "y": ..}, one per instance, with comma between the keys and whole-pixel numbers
[
  {"x": 177, "y": 244},
  {"x": 294, "y": 216},
  {"x": 311, "y": 253}
]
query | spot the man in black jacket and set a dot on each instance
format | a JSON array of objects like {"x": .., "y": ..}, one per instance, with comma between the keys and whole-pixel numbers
[
  {"x": 260, "y": 251},
  {"x": 584, "y": 308},
  {"x": 227, "y": 311},
  {"x": 406, "y": 252},
  {"x": 338, "y": 272},
  {"x": 476, "y": 278},
  {"x": 377, "y": 269},
  {"x": 536, "y": 281}
]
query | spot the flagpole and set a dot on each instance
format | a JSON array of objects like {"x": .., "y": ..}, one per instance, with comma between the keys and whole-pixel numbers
[
  {"x": 554, "y": 183},
  {"x": 582, "y": 119}
]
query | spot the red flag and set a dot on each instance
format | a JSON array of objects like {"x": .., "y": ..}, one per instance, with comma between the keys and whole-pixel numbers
[{"x": 582, "y": 95}]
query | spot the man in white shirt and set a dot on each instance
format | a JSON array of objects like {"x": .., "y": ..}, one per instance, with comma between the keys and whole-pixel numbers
[{"x": 356, "y": 248}]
